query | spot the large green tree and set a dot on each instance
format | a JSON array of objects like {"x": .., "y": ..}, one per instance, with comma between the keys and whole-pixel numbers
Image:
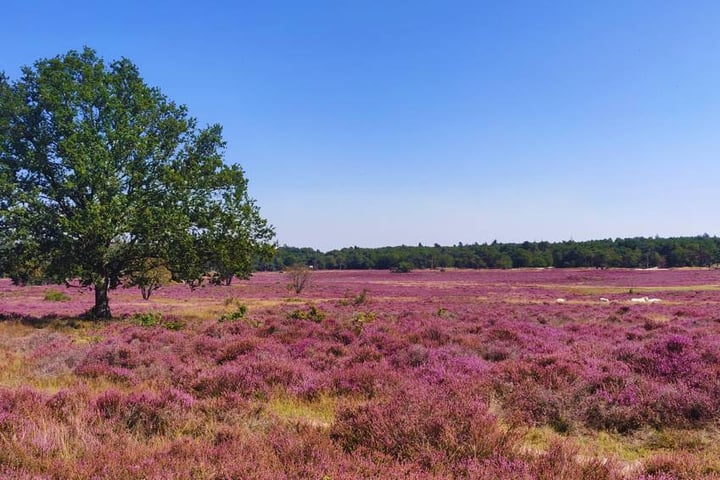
[{"x": 100, "y": 172}]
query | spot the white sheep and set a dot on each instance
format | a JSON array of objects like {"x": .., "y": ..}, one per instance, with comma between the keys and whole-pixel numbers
[
  {"x": 654, "y": 300},
  {"x": 604, "y": 300},
  {"x": 640, "y": 300},
  {"x": 560, "y": 300}
]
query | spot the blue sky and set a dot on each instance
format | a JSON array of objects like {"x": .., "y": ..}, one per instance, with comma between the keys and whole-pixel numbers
[{"x": 377, "y": 123}]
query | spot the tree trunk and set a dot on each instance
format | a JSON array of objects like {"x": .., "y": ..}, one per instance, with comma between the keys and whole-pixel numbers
[{"x": 101, "y": 309}]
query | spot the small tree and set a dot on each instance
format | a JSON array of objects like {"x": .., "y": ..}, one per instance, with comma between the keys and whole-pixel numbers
[
  {"x": 99, "y": 171},
  {"x": 150, "y": 275},
  {"x": 299, "y": 276}
]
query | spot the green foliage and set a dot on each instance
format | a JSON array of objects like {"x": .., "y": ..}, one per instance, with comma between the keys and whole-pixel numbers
[
  {"x": 360, "y": 319},
  {"x": 237, "y": 314},
  {"x": 403, "y": 267},
  {"x": 149, "y": 275},
  {"x": 147, "y": 319},
  {"x": 699, "y": 251},
  {"x": 56, "y": 296},
  {"x": 174, "y": 324},
  {"x": 101, "y": 173},
  {"x": 313, "y": 314},
  {"x": 155, "y": 319}
]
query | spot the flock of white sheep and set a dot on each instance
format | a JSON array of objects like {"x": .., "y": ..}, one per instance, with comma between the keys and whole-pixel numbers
[{"x": 632, "y": 300}]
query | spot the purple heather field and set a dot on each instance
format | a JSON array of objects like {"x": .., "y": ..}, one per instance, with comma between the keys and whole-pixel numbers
[{"x": 517, "y": 374}]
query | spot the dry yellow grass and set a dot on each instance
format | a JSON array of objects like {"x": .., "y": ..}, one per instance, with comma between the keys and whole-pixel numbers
[{"x": 317, "y": 413}]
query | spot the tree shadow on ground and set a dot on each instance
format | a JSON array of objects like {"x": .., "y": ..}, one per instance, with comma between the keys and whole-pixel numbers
[{"x": 47, "y": 321}]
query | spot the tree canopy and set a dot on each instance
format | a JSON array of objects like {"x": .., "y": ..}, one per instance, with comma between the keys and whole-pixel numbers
[
  {"x": 639, "y": 252},
  {"x": 100, "y": 173}
]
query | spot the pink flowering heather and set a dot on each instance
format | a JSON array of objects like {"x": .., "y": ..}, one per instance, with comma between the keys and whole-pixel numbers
[{"x": 455, "y": 374}]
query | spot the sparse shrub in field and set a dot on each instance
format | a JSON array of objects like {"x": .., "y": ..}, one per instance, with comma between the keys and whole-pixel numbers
[
  {"x": 402, "y": 267},
  {"x": 313, "y": 314},
  {"x": 434, "y": 336},
  {"x": 357, "y": 300},
  {"x": 109, "y": 403},
  {"x": 299, "y": 276},
  {"x": 172, "y": 323},
  {"x": 147, "y": 319},
  {"x": 237, "y": 314},
  {"x": 156, "y": 319},
  {"x": 360, "y": 319},
  {"x": 361, "y": 298},
  {"x": 56, "y": 296}
]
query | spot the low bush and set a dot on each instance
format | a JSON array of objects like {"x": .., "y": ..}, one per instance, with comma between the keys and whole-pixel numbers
[
  {"x": 402, "y": 267},
  {"x": 147, "y": 319},
  {"x": 313, "y": 314},
  {"x": 237, "y": 314}
]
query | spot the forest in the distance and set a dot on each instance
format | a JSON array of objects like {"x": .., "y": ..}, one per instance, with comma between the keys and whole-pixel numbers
[{"x": 638, "y": 252}]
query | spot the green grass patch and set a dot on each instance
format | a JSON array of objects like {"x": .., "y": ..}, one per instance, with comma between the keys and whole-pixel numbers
[
  {"x": 56, "y": 296},
  {"x": 319, "y": 412}
]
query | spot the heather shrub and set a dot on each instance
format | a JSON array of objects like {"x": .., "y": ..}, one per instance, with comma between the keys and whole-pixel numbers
[
  {"x": 424, "y": 424},
  {"x": 256, "y": 376},
  {"x": 673, "y": 465},
  {"x": 432, "y": 336},
  {"x": 538, "y": 391},
  {"x": 144, "y": 413},
  {"x": 414, "y": 356},
  {"x": 236, "y": 314},
  {"x": 562, "y": 461},
  {"x": 305, "y": 452},
  {"x": 367, "y": 379},
  {"x": 672, "y": 358},
  {"x": 495, "y": 467},
  {"x": 235, "y": 349},
  {"x": 68, "y": 404}
]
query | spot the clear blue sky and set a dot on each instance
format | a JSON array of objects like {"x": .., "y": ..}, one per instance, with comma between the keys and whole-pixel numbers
[{"x": 394, "y": 122}]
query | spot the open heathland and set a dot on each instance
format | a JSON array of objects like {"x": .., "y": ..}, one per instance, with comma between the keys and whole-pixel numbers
[{"x": 517, "y": 374}]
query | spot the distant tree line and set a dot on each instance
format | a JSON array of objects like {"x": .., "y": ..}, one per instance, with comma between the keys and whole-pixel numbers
[{"x": 639, "y": 252}]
